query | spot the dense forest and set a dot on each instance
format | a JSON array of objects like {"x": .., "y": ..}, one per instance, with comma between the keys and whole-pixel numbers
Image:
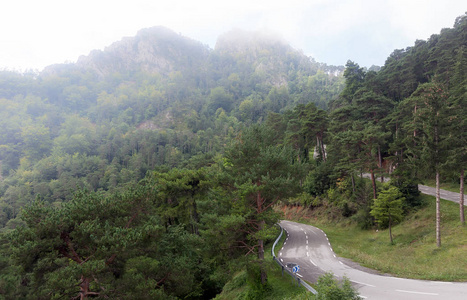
[{"x": 151, "y": 170}]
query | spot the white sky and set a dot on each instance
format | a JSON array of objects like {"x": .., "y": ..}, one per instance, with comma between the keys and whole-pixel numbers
[{"x": 34, "y": 34}]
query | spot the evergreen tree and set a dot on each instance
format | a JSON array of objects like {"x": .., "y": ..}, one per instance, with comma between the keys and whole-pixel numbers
[
  {"x": 431, "y": 127},
  {"x": 262, "y": 173},
  {"x": 387, "y": 208},
  {"x": 75, "y": 250},
  {"x": 458, "y": 156}
]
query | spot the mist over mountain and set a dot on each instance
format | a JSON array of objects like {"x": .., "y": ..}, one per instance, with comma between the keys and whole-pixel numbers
[
  {"x": 152, "y": 50},
  {"x": 159, "y": 50}
]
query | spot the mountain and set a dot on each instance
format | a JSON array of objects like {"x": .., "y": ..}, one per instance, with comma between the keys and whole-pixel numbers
[
  {"x": 260, "y": 56},
  {"x": 152, "y": 50},
  {"x": 264, "y": 55}
]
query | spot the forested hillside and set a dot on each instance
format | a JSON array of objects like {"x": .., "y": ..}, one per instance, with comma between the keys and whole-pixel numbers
[
  {"x": 149, "y": 170},
  {"x": 157, "y": 100}
]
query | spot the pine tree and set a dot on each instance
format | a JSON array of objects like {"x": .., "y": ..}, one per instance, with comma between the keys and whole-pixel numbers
[
  {"x": 262, "y": 173},
  {"x": 431, "y": 127},
  {"x": 387, "y": 208},
  {"x": 458, "y": 90},
  {"x": 73, "y": 250}
]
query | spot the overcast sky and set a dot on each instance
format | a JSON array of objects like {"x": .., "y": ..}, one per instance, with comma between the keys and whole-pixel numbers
[{"x": 34, "y": 34}]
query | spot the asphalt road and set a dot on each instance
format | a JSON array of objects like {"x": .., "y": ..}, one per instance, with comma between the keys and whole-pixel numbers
[
  {"x": 447, "y": 195},
  {"x": 309, "y": 247}
]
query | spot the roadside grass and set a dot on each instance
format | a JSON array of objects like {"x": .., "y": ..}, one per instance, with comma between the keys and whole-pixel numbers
[
  {"x": 279, "y": 287},
  {"x": 414, "y": 253}
]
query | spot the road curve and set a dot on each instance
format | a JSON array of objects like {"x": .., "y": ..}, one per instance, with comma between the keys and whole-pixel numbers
[{"x": 309, "y": 247}]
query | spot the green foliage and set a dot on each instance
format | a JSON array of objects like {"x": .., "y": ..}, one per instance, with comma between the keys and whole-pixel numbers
[
  {"x": 82, "y": 239},
  {"x": 387, "y": 208},
  {"x": 407, "y": 185},
  {"x": 329, "y": 288},
  {"x": 318, "y": 180},
  {"x": 256, "y": 288},
  {"x": 261, "y": 173}
]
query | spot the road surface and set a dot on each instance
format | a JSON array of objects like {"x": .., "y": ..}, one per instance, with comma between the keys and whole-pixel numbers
[
  {"x": 446, "y": 195},
  {"x": 309, "y": 247}
]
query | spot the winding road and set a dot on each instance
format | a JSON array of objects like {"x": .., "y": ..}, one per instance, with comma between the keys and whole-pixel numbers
[
  {"x": 424, "y": 189},
  {"x": 309, "y": 247}
]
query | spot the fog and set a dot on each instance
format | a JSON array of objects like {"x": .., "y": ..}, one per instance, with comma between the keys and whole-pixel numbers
[{"x": 36, "y": 34}]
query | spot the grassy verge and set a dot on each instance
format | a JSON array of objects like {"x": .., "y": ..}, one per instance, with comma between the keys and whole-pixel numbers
[
  {"x": 279, "y": 287},
  {"x": 414, "y": 253}
]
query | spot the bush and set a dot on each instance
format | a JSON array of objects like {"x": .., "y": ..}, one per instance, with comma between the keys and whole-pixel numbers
[
  {"x": 256, "y": 290},
  {"x": 329, "y": 288},
  {"x": 318, "y": 180}
]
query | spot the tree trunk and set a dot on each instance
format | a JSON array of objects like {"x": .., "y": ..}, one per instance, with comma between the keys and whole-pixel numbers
[
  {"x": 261, "y": 248},
  {"x": 353, "y": 183},
  {"x": 84, "y": 288},
  {"x": 264, "y": 276},
  {"x": 390, "y": 232},
  {"x": 438, "y": 212},
  {"x": 195, "y": 216},
  {"x": 323, "y": 149},
  {"x": 373, "y": 182},
  {"x": 461, "y": 200},
  {"x": 380, "y": 164}
]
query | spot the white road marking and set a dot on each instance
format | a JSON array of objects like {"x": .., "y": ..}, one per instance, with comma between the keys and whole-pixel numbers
[
  {"x": 305, "y": 232},
  {"x": 341, "y": 263},
  {"x": 334, "y": 254},
  {"x": 280, "y": 253},
  {"x": 363, "y": 283},
  {"x": 306, "y": 247},
  {"x": 282, "y": 259},
  {"x": 420, "y": 293},
  {"x": 307, "y": 254},
  {"x": 313, "y": 263},
  {"x": 307, "y": 242},
  {"x": 445, "y": 282}
]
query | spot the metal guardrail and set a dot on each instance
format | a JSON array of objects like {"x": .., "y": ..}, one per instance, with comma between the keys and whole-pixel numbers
[{"x": 299, "y": 281}]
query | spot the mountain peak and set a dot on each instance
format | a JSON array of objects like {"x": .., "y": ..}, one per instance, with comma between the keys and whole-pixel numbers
[{"x": 153, "y": 50}]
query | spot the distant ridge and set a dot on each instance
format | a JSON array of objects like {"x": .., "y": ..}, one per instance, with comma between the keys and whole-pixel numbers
[
  {"x": 152, "y": 50},
  {"x": 254, "y": 57}
]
